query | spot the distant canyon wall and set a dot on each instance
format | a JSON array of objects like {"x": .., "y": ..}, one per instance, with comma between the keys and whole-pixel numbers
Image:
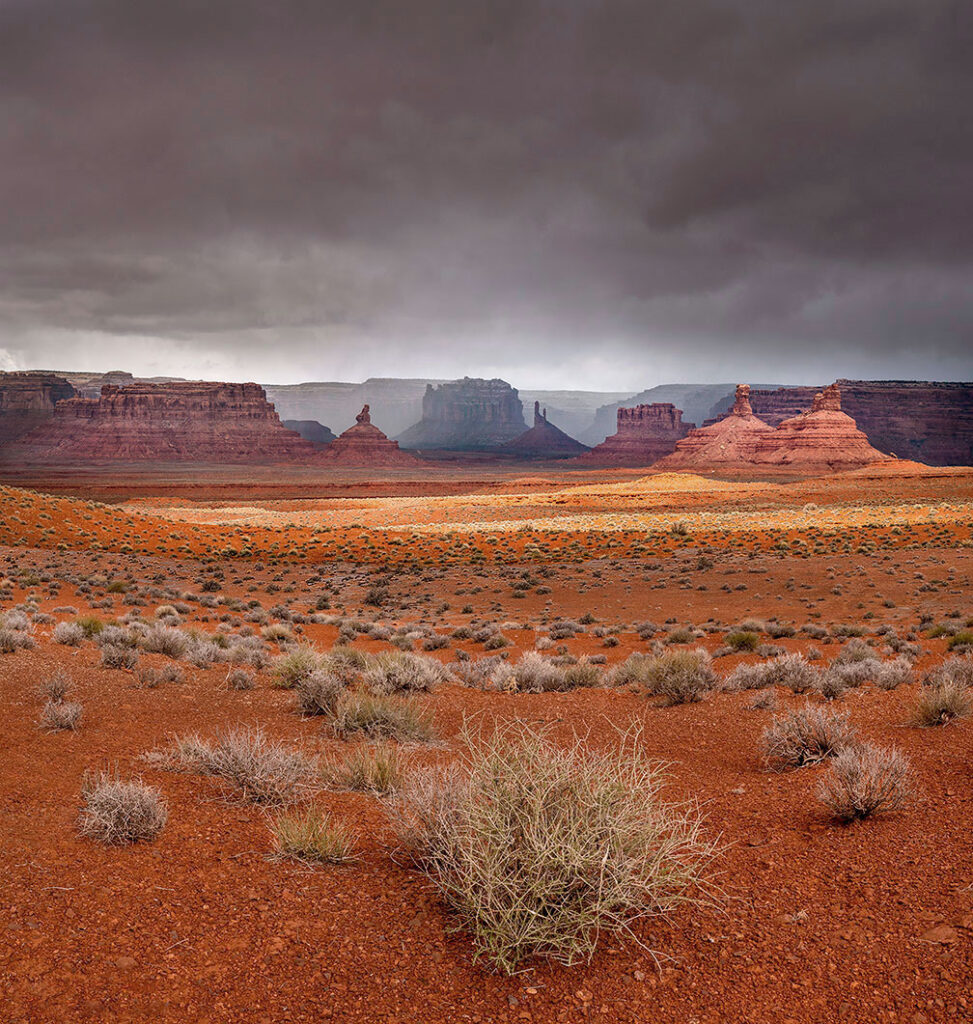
[{"x": 926, "y": 421}]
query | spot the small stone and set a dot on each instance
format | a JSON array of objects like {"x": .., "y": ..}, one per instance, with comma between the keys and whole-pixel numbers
[{"x": 942, "y": 934}]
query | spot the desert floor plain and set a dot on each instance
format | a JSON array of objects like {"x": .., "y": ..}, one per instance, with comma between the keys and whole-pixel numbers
[{"x": 811, "y": 921}]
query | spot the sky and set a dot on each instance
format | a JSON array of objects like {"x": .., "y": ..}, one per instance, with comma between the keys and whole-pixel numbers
[{"x": 566, "y": 194}]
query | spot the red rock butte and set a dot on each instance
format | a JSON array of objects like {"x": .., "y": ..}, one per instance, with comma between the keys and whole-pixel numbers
[
  {"x": 824, "y": 439},
  {"x": 644, "y": 434},
  {"x": 730, "y": 442},
  {"x": 191, "y": 421},
  {"x": 544, "y": 440},
  {"x": 820, "y": 440},
  {"x": 365, "y": 445}
]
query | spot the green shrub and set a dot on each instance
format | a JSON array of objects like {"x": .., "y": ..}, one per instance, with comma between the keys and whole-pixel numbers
[
  {"x": 313, "y": 837},
  {"x": 381, "y": 717},
  {"x": 743, "y": 640}
]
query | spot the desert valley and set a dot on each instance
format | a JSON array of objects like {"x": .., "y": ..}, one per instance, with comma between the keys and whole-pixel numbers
[{"x": 293, "y": 716}]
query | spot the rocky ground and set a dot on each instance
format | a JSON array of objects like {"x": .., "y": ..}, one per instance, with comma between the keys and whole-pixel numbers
[{"x": 812, "y": 921}]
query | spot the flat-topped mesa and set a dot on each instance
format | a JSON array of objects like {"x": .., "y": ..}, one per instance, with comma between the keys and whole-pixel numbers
[
  {"x": 644, "y": 434},
  {"x": 28, "y": 399},
  {"x": 365, "y": 445},
  {"x": 467, "y": 415},
  {"x": 317, "y": 433},
  {"x": 823, "y": 439},
  {"x": 727, "y": 444},
  {"x": 544, "y": 440},
  {"x": 186, "y": 421}
]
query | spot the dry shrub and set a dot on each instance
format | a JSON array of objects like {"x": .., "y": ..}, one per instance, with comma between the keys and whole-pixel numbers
[
  {"x": 266, "y": 771},
  {"x": 804, "y": 737},
  {"x": 167, "y": 640},
  {"x": 380, "y": 717},
  {"x": 151, "y": 678},
  {"x": 68, "y": 633},
  {"x": 679, "y": 677},
  {"x": 894, "y": 674},
  {"x": 369, "y": 769},
  {"x": 942, "y": 701},
  {"x": 540, "y": 850},
  {"x": 318, "y": 693},
  {"x": 116, "y": 656},
  {"x": 13, "y": 640},
  {"x": 313, "y": 837},
  {"x": 865, "y": 780},
  {"x": 61, "y": 715},
  {"x": 119, "y": 811},
  {"x": 402, "y": 672},
  {"x": 240, "y": 679}
]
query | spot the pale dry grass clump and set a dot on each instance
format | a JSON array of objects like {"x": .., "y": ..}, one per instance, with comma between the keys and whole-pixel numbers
[
  {"x": 297, "y": 664},
  {"x": 68, "y": 633},
  {"x": 402, "y": 672},
  {"x": 864, "y": 780},
  {"x": 805, "y": 737},
  {"x": 265, "y": 771},
  {"x": 540, "y": 850},
  {"x": 120, "y": 811},
  {"x": 311, "y": 836}
]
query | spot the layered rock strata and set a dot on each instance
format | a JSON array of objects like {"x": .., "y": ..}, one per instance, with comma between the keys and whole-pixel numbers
[
  {"x": 644, "y": 434},
  {"x": 193, "y": 421},
  {"x": 824, "y": 439},
  {"x": 544, "y": 440},
  {"x": 927, "y": 421},
  {"x": 27, "y": 400}
]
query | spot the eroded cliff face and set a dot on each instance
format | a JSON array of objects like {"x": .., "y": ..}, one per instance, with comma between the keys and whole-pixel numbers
[
  {"x": 27, "y": 400},
  {"x": 819, "y": 440},
  {"x": 644, "y": 434},
  {"x": 822, "y": 439},
  {"x": 925, "y": 421},
  {"x": 193, "y": 421},
  {"x": 467, "y": 415}
]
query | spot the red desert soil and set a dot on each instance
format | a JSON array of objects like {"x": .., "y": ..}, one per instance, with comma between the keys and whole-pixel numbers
[{"x": 871, "y": 922}]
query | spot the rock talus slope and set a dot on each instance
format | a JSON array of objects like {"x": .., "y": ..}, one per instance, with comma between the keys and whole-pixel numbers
[
  {"x": 544, "y": 440},
  {"x": 365, "y": 445},
  {"x": 729, "y": 442}
]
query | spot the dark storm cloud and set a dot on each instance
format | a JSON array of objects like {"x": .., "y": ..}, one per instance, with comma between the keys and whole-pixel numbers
[{"x": 291, "y": 190}]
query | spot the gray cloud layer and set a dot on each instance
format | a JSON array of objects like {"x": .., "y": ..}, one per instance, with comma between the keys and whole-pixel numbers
[{"x": 565, "y": 193}]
